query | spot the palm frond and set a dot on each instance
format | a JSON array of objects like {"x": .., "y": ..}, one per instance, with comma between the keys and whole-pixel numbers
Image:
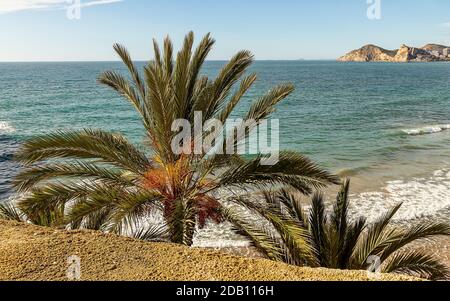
[
  {"x": 294, "y": 237},
  {"x": 92, "y": 210},
  {"x": 265, "y": 106},
  {"x": 160, "y": 100},
  {"x": 168, "y": 57},
  {"x": 292, "y": 169},
  {"x": 152, "y": 233},
  {"x": 130, "y": 208},
  {"x": 126, "y": 59},
  {"x": 246, "y": 84},
  {"x": 417, "y": 264},
  {"x": 8, "y": 211},
  {"x": 344, "y": 235},
  {"x": 260, "y": 238},
  {"x": 181, "y": 77},
  {"x": 353, "y": 235},
  {"x": 212, "y": 102},
  {"x": 319, "y": 232},
  {"x": 58, "y": 195},
  {"x": 339, "y": 215},
  {"x": 125, "y": 88},
  {"x": 376, "y": 239},
  {"x": 421, "y": 231},
  {"x": 292, "y": 201},
  {"x": 98, "y": 145},
  {"x": 31, "y": 176},
  {"x": 195, "y": 66},
  {"x": 97, "y": 220}
]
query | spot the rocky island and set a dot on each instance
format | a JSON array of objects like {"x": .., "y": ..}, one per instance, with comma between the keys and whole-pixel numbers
[{"x": 373, "y": 53}]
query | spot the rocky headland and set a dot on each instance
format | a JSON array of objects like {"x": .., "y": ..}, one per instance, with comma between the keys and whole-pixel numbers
[{"x": 405, "y": 54}]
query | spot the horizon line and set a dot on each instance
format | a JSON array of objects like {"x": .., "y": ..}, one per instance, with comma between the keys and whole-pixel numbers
[{"x": 114, "y": 61}]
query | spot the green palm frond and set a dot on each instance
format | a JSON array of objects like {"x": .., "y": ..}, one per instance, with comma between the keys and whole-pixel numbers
[
  {"x": 97, "y": 220},
  {"x": 319, "y": 230},
  {"x": 417, "y": 264},
  {"x": 130, "y": 208},
  {"x": 98, "y": 145},
  {"x": 339, "y": 215},
  {"x": 168, "y": 57},
  {"x": 160, "y": 102},
  {"x": 259, "y": 111},
  {"x": 294, "y": 237},
  {"x": 60, "y": 195},
  {"x": 292, "y": 169},
  {"x": 34, "y": 175},
  {"x": 292, "y": 202},
  {"x": 265, "y": 106},
  {"x": 377, "y": 238},
  {"x": 197, "y": 61},
  {"x": 117, "y": 208},
  {"x": 260, "y": 237},
  {"x": 152, "y": 233},
  {"x": 212, "y": 102},
  {"x": 126, "y": 59},
  {"x": 350, "y": 241},
  {"x": 181, "y": 77},
  {"x": 92, "y": 210},
  {"x": 421, "y": 231},
  {"x": 50, "y": 217},
  {"x": 246, "y": 84},
  {"x": 126, "y": 89},
  {"x": 8, "y": 211},
  {"x": 343, "y": 235}
]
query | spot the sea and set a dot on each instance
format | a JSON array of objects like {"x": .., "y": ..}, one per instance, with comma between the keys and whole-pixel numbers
[{"x": 384, "y": 125}]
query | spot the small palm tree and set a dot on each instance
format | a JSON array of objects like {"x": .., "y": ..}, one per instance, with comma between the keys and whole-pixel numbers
[
  {"x": 331, "y": 239},
  {"x": 98, "y": 180}
]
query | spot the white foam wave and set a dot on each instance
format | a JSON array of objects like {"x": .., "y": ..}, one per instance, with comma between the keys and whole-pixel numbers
[
  {"x": 6, "y": 128},
  {"x": 432, "y": 129},
  {"x": 421, "y": 197}
]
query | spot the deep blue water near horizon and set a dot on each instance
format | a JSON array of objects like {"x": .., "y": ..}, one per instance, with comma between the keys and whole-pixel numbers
[{"x": 383, "y": 124}]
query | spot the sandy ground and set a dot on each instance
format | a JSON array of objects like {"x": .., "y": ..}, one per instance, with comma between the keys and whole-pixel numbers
[{"x": 34, "y": 253}]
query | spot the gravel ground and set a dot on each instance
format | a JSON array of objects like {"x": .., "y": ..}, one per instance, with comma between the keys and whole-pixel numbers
[{"x": 33, "y": 253}]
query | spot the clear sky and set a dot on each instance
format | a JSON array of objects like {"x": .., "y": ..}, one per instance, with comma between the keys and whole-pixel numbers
[{"x": 39, "y": 30}]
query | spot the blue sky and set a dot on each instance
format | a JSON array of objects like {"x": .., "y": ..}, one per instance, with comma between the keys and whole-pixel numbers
[{"x": 39, "y": 30}]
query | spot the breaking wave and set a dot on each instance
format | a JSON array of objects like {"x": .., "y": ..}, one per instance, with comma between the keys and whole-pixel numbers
[
  {"x": 421, "y": 198},
  {"x": 6, "y": 128},
  {"x": 426, "y": 130}
]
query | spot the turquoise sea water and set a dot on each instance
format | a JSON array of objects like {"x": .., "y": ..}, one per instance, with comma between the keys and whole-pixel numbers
[{"x": 385, "y": 125}]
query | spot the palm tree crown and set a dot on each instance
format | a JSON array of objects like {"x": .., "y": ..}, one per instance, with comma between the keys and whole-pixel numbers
[
  {"x": 98, "y": 180},
  {"x": 321, "y": 238}
]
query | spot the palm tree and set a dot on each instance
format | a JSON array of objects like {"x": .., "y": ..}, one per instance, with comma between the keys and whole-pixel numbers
[
  {"x": 331, "y": 239},
  {"x": 98, "y": 180}
]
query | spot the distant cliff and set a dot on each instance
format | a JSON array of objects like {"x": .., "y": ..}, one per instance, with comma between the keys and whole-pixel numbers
[{"x": 373, "y": 53}]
